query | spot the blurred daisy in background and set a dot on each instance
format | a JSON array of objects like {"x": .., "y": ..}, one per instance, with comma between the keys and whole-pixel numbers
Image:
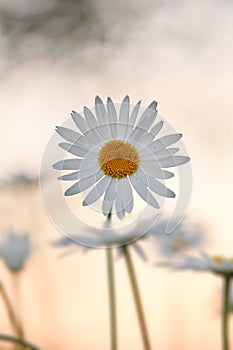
[
  {"x": 19, "y": 180},
  {"x": 151, "y": 235},
  {"x": 186, "y": 236},
  {"x": 15, "y": 249},
  {"x": 216, "y": 264},
  {"x": 114, "y": 153},
  {"x": 107, "y": 238},
  {"x": 220, "y": 266}
]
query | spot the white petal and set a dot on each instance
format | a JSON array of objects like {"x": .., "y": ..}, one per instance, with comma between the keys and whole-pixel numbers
[
  {"x": 124, "y": 111},
  {"x": 94, "y": 129},
  {"x": 68, "y": 134},
  {"x": 85, "y": 172},
  {"x": 165, "y": 141},
  {"x": 95, "y": 135},
  {"x": 100, "y": 111},
  {"x": 119, "y": 206},
  {"x": 142, "y": 176},
  {"x": 91, "y": 134},
  {"x": 122, "y": 127},
  {"x": 132, "y": 118},
  {"x": 71, "y": 176},
  {"x": 90, "y": 118},
  {"x": 156, "y": 129},
  {"x": 73, "y": 149},
  {"x": 151, "y": 168},
  {"x": 68, "y": 164},
  {"x": 174, "y": 161},
  {"x": 141, "y": 136},
  {"x": 112, "y": 117},
  {"x": 124, "y": 191},
  {"x": 90, "y": 161},
  {"x": 156, "y": 186},
  {"x": 165, "y": 174},
  {"x": 143, "y": 191},
  {"x": 83, "y": 184},
  {"x": 148, "y": 116},
  {"x": 134, "y": 113},
  {"x": 97, "y": 191},
  {"x": 129, "y": 206},
  {"x": 166, "y": 153},
  {"x": 109, "y": 197},
  {"x": 163, "y": 154},
  {"x": 80, "y": 122},
  {"x": 122, "y": 131}
]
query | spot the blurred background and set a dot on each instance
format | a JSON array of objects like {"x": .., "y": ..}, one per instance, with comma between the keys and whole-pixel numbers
[{"x": 55, "y": 56}]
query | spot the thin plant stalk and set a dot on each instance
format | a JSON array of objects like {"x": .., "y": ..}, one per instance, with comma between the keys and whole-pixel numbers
[
  {"x": 24, "y": 343},
  {"x": 112, "y": 294},
  {"x": 14, "y": 323},
  {"x": 225, "y": 313},
  {"x": 112, "y": 299},
  {"x": 137, "y": 298},
  {"x": 18, "y": 303}
]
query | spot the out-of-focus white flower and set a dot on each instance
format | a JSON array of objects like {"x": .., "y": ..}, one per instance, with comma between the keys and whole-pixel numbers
[
  {"x": 205, "y": 263},
  {"x": 108, "y": 238},
  {"x": 115, "y": 153},
  {"x": 19, "y": 180},
  {"x": 185, "y": 237},
  {"x": 15, "y": 248}
]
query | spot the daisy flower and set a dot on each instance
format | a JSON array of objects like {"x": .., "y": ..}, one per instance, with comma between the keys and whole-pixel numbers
[
  {"x": 184, "y": 237},
  {"x": 216, "y": 264},
  {"x": 116, "y": 152},
  {"x": 220, "y": 266},
  {"x": 18, "y": 180},
  {"x": 14, "y": 250},
  {"x": 107, "y": 237}
]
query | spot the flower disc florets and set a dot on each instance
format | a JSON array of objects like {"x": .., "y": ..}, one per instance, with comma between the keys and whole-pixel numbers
[{"x": 118, "y": 159}]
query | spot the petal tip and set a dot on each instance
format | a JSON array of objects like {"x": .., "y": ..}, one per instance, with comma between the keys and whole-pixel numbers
[
  {"x": 126, "y": 99},
  {"x": 153, "y": 105},
  {"x": 68, "y": 192},
  {"x": 98, "y": 100}
]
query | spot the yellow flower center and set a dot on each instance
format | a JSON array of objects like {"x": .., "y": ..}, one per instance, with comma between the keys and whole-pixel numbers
[
  {"x": 118, "y": 159},
  {"x": 218, "y": 259},
  {"x": 179, "y": 244}
]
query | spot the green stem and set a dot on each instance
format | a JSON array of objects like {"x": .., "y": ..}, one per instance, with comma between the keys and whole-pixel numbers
[
  {"x": 16, "y": 289},
  {"x": 14, "y": 323},
  {"x": 112, "y": 298},
  {"x": 11, "y": 339},
  {"x": 137, "y": 298},
  {"x": 225, "y": 313}
]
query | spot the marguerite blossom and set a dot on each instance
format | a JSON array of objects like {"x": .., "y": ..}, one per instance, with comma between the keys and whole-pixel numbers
[
  {"x": 107, "y": 237},
  {"x": 117, "y": 152},
  {"x": 184, "y": 237},
  {"x": 216, "y": 264},
  {"x": 15, "y": 248}
]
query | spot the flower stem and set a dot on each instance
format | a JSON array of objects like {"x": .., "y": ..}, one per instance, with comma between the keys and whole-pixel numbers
[
  {"x": 137, "y": 298},
  {"x": 14, "y": 323},
  {"x": 11, "y": 339},
  {"x": 112, "y": 295},
  {"x": 112, "y": 299},
  {"x": 225, "y": 313}
]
